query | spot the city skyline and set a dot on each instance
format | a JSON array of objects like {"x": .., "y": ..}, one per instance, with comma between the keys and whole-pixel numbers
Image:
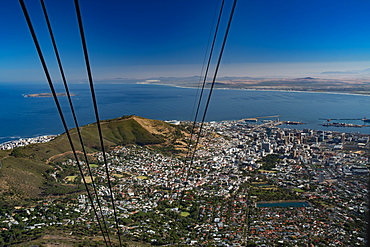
[{"x": 143, "y": 39}]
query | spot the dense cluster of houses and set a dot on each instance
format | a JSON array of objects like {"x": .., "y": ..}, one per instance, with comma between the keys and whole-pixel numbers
[{"x": 210, "y": 198}]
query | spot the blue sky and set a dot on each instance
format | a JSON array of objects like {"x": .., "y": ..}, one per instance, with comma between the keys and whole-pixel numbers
[{"x": 145, "y": 38}]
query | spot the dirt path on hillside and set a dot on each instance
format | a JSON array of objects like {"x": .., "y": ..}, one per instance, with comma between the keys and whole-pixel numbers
[{"x": 62, "y": 154}]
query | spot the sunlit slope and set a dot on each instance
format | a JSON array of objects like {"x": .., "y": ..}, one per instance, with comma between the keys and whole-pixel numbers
[
  {"x": 120, "y": 131},
  {"x": 24, "y": 171}
]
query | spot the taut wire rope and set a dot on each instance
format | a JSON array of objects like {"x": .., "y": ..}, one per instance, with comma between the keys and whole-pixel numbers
[
  {"x": 87, "y": 62},
  {"x": 73, "y": 112},
  {"x": 205, "y": 77},
  {"x": 48, "y": 77},
  {"x": 213, "y": 81}
]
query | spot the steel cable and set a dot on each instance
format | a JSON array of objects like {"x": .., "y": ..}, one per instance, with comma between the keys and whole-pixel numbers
[
  {"x": 88, "y": 68},
  {"x": 48, "y": 77},
  {"x": 73, "y": 112}
]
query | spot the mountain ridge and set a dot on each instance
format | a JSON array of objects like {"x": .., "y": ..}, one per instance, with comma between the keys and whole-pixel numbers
[{"x": 25, "y": 171}]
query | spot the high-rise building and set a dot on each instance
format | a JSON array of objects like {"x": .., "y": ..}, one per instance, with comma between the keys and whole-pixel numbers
[
  {"x": 321, "y": 177},
  {"x": 267, "y": 147}
]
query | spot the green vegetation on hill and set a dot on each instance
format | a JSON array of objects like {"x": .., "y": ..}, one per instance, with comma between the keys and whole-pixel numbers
[
  {"x": 128, "y": 131},
  {"x": 24, "y": 169},
  {"x": 21, "y": 177},
  {"x": 120, "y": 131}
]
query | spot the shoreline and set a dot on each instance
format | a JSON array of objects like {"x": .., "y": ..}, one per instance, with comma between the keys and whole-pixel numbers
[
  {"x": 16, "y": 137},
  {"x": 24, "y": 141},
  {"x": 257, "y": 89},
  {"x": 21, "y": 142}
]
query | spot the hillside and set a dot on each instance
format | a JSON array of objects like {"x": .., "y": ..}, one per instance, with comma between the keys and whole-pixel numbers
[{"x": 22, "y": 172}]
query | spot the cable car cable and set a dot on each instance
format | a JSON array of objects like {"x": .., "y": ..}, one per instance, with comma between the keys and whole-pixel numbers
[
  {"x": 195, "y": 116},
  {"x": 88, "y": 68},
  {"x": 46, "y": 71},
  {"x": 214, "y": 79},
  {"x": 73, "y": 111},
  {"x": 206, "y": 74}
]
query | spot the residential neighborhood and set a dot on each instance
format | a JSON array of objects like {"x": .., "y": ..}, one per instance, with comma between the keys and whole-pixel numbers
[
  {"x": 247, "y": 184},
  {"x": 26, "y": 141}
]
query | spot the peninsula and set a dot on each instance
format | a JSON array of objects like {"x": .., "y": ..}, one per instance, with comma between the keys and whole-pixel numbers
[{"x": 304, "y": 84}]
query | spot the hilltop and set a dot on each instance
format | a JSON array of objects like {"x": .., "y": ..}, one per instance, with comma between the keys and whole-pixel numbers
[{"x": 23, "y": 172}]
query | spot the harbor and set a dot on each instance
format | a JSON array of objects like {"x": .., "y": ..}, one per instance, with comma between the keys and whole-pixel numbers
[
  {"x": 345, "y": 125},
  {"x": 328, "y": 122},
  {"x": 255, "y": 119},
  {"x": 267, "y": 121},
  {"x": 273, "y": 122}
]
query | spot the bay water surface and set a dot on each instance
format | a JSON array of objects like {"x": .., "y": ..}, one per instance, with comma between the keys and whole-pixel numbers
[{"x": 22, "y": 117}]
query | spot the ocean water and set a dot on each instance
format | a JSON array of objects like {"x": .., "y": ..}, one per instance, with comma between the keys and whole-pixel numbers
[{"x": 29, "y": 117}]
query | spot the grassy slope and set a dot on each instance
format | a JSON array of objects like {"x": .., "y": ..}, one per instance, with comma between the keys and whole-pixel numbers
[
  {"x": 119, "y": 131},
  {"x": 21, "y": 178},
  {"x": 21, "y": 175}
]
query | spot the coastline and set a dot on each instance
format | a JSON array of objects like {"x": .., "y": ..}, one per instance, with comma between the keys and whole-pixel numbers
[
  {"x": 16, "y": 135},
  {"x": 259, "y": 89},
  {"x": 21, "y": 142}
]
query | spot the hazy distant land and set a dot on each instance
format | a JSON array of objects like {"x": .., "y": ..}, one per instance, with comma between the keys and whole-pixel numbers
[
  {"x": 45, "y": 95},
  {"x": 296, "y": 84},
  {"x": 311, "y": 84}
]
